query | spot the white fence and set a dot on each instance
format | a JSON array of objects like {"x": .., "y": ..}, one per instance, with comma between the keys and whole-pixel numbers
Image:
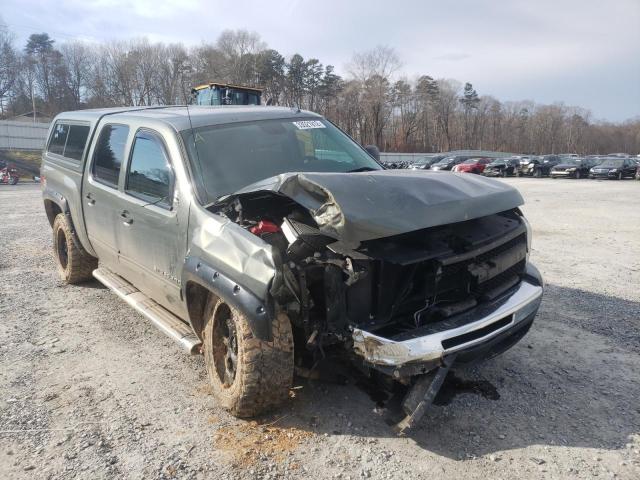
[{"x": 22, "y": 135}]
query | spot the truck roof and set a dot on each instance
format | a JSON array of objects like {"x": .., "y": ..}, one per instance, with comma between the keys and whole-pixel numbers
[
  {"x": 177, "y": 117},
  {"x": 229, "y": 85}
]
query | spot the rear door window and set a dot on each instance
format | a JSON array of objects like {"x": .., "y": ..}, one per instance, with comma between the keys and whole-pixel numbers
[
  {"x": 150, "y": 177},
  {"x": 107, "y": 159},
  {"x": 76, "y": 141},
  {"x": 69, "y": 140},
  {"x": 58, "y": 138}
]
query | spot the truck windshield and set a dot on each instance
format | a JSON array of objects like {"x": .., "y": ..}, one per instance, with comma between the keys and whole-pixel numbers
[{"x": 232, "y": 156}]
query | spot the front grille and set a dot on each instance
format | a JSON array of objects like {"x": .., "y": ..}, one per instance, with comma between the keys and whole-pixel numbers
[
  {"x": 459, "y": 282},
  {"x": 519, "y": 242},
  {"x": 430, "y": 275}
]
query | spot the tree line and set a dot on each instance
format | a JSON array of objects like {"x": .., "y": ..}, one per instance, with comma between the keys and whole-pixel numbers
[{"x": 373, "y": 102}]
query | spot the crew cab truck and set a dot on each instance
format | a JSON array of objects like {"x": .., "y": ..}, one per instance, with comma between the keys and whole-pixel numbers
[{"x": 265, "y": 238}]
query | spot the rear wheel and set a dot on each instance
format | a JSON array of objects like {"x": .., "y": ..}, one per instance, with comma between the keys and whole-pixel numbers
[
  {"x": 14, "y": 180},
  {"x": 537, "y": 173},
  {"x": 619, "y": 175},
  {"x": 75, "y": 265},
  {"x": 248, "y": 376},
  {"x": 504, "y": 173},
  {"x": 578, "y": 175}
]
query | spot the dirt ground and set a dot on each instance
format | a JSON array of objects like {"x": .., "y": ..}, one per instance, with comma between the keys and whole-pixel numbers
[{"x": 89, "y": 389}]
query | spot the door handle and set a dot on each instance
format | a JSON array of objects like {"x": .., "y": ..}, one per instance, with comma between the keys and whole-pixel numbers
[
  {"x": 126, "y": 219},
  {"x": 90, "y": 200}
]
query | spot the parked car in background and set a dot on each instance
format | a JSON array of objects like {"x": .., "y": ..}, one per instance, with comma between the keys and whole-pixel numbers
[
  {"x": 526, "y": 159},
  {"x": 424, "y": 163},
  {"x": 447, "y": 163},
  {"x": 539, "y": 166},
  {"x": 502, "y": 167},
  {"x": 617, "y": 168},
  {"x": 524, "y": 163},
  {"x": 473, "y": 165},
  {"x": 573, "y": 168}
]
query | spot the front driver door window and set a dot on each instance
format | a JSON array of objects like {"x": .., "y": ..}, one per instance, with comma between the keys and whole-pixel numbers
[{"x": 150, "y": 177}]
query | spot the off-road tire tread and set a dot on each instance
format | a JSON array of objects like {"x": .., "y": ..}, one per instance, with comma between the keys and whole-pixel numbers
[
  {"x": 265, "y": 369},
  {"x": 80, "y": 264}
]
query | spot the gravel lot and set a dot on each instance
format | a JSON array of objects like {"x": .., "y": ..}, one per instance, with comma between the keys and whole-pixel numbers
[{"x": 89, "y": 389}]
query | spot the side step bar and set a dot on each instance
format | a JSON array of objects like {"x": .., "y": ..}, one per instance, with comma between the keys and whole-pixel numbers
[{"x": 166, "y": 321}]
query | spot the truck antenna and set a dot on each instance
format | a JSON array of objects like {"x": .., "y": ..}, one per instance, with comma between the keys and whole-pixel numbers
[{"x": 187, "y": 68}]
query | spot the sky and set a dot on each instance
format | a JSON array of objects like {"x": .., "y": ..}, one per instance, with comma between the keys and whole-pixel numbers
[{"x": 581, "y": 52}]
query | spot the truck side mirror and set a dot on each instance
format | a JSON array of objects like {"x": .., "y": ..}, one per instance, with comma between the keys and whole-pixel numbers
[{"x": 373, "y": 151}]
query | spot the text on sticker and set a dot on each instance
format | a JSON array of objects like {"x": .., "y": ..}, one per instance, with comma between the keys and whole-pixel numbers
[{"x": 307, "y": 124}]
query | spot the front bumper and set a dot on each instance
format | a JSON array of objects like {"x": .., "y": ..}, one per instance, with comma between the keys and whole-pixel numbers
[
  {"x": 563, "y": 173},
  {"x": 603, "y": 175},
  {"x": 425, "y": 347}
]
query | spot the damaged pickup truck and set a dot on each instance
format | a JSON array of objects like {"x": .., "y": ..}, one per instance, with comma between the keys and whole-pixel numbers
[{"x": 265, "y": 238}]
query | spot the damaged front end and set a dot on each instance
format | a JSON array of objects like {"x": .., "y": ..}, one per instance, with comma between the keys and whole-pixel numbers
[{"x": 402, "y": 296}]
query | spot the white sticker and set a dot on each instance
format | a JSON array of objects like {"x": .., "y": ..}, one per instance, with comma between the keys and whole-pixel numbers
[{"x": 308, "y": 124}]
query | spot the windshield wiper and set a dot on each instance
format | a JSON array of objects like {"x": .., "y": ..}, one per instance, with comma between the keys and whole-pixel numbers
[{"x": 363, "y": 169}]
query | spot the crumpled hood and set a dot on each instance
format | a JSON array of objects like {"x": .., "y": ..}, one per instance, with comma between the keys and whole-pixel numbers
[{"x": 355, "y": 207}]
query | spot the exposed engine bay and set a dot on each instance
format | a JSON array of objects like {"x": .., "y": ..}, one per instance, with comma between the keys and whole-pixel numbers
[{"x": 391, "y": 286}]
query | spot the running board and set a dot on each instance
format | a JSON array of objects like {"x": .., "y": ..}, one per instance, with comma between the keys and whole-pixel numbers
[{"x": 164, "y": 320}]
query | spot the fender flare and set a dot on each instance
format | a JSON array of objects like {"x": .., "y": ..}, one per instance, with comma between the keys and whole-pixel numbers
[
  {"x": 259, "y": 314},
  {"x": 59, "y": 199}
]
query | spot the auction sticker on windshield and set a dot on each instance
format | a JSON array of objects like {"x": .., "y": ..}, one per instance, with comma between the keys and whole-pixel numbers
[{"x": 308, "y": 124}]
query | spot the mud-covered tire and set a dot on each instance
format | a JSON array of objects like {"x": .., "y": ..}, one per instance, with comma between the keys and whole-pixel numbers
[
  {"x": 263, "y": 371},
  {"x": 74, "y": 263}
]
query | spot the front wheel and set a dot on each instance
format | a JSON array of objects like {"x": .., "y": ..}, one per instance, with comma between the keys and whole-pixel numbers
[
  {"x": 248, "y": 376},
  {"x": 619, "y": 175},
  {"x": 75, "y": 265},
  {"x": 538, "y": 173},
  {"x": 14, "y": 180},
  {"x": 578, "y": 175}
]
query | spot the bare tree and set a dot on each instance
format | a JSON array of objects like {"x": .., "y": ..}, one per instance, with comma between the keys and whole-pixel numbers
[
  {"x": 239, "y": 49},
  {"x": 8, "y": 64},
  {"x": 77, "y": 59},
  {"x": 372, "y": 104}
]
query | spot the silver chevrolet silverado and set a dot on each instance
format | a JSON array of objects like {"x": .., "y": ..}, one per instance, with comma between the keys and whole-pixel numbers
[{"x": 266, "y": 239}]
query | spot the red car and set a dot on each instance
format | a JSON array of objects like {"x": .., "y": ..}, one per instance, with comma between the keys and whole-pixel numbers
[{"x": 473, "y": 165}]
